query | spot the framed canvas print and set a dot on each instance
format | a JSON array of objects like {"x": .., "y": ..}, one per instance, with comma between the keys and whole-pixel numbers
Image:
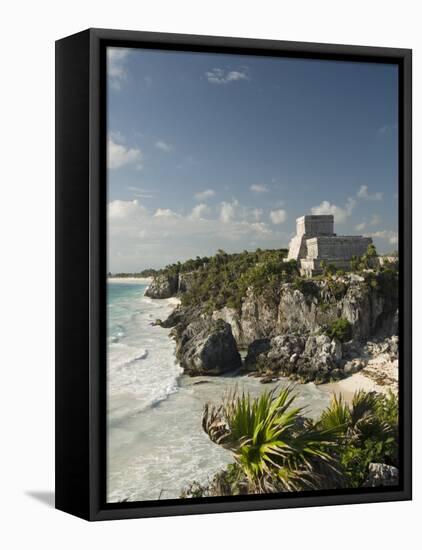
[{"x": 233, "y": 274}]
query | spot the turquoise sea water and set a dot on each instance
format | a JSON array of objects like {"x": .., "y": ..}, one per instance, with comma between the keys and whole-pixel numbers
[{"x": 155, "y": 443}]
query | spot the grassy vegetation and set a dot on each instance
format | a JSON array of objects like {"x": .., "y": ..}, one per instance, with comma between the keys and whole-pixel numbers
[
  {"x": 223, "y": 279},
  {"x": 307, "y": 287},
  {"x": 276, "y": 448},
  {"x": 341, "y": 329},
  {"x": 272, "y": 446},
  {"x": 369, "y": 432},
  {"x": 386, "y": 281},
  {"x": 366, "y": 261},
  {"x": 137, "y": 275}
]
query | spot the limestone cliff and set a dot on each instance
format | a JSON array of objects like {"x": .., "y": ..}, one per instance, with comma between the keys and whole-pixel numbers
[
  {"x": 308, "y": 329},
  {"x": 313, "y": 305},
  {"x": 163, "y": 286},
  {"x": 166, "y": 285},
  {"x": 203, "y": 345}
]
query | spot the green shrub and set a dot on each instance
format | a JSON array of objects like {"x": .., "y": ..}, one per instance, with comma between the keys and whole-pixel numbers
[
  {"x": 369, "y": 432},
  {"x": 228, "y": 481},
  {"x": 307, "y": 287},
  {"x": 223, "y": 279},
  {"x": 277, "y": 449},
  {"x": 341, "y": 329},
  {"x": 272, "y": 446}
]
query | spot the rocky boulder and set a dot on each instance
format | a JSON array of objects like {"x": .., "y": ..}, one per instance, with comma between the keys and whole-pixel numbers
[
  {"x": 230, "y": 316},
  {"x": 382, "y": 475},
  {"x": 388, "y": 346},
  {"x": 306, "y": 358},
  {"x": 206, "y": 347},
  {"x": 163, "y": 286}
]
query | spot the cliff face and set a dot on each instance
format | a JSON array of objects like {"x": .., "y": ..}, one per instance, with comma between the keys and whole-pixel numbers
[
  {"x": 163, "y": 286},
  {"x": 369, "y": 310},
  {"x": 168, "y": 285},
  {"x": 308, "y": 329}
]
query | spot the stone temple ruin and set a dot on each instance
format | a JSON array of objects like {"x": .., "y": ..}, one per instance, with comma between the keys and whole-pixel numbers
[{"x": 315, "y": 242}]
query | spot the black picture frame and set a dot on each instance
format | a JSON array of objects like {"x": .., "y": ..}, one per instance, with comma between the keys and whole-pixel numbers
[{"x": 81, "y": 271}]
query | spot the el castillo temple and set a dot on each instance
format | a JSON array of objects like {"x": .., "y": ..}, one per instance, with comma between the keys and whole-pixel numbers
[{"x": 315, "y": 242}]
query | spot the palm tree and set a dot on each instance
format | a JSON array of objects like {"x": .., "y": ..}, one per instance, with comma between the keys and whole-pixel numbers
[
  {"x": 275, "y": 447},
  {"x": 359, "y": 421},
  {"x": 369, "y": 432}
]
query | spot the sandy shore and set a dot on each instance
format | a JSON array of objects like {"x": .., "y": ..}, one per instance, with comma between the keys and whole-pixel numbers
[
  {"x": 140, "y": 280},
  {"x": 380, "y": 375}
]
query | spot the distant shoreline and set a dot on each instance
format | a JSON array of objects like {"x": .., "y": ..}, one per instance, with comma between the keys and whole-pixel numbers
[{"x": 142, "y": 280}]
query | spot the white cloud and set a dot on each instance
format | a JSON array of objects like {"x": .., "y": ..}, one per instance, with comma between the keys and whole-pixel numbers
[
  {"x": 364, "y": 194},
  {"x": 204, "y": 195},
  {"x": 119, "y": 155},
  {"x": 121, "y": 210},
  {"x": 278, "y": 216},
  {"x": 142, "y": 193},
  {"x": 391, "y": 236},
  {"x": 261, "y": 228},
  {"x": 227, "y": 211},
  {"x": 375, "y": 220},
  {"x": 163, "y": 146},
  {"x": 116, "y": 66},
  {"x": 140, "y": 238},
  {"x": 259, "y": 188},
  {"x": 221, "y": 76},
  {"x": 234, "y": 211},
  {"x": 165, "y": 213},
  {"x": 199, "y": 211},
  {"x": 340, "y": 213},
  {"x": 257, "y": 213}
]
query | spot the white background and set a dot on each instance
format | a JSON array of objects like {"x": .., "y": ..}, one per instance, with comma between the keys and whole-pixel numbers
[{"x": 27, "y": 267}]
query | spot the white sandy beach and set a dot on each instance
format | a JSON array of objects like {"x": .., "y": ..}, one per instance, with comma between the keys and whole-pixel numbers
[
  {"x": 379, "y": 376},
  {"x": 140, "y": 280}
]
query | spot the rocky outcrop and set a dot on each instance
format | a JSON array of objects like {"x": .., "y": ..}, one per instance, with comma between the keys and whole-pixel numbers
[
  {"x": 185, "y": 282},
  {"x": 311, "y": 307},
  {"x": 287, "y": 333},
  {"x": 167, "y": 285},
  {"x": 231, "y": 317},
  {"x": 381, "y": 360},
  {"x": 163, "y": 286},
  {"x": 382, "y": 475},
  {"x": 319, "y": 358},
  {"x": 305, "y": 358},
  {"x": 206, "y": 347},
  {"x": 387, "y": 346}
]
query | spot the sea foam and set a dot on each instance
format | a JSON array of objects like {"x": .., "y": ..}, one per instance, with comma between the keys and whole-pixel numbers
[
  {"x": 155, "y": 442},
  {"x": 140, "y": 357}
]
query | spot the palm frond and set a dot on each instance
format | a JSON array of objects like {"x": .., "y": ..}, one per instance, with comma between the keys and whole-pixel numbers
[{"x": 263, "y": 435}]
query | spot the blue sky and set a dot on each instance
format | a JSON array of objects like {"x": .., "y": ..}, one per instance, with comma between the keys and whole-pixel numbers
[{"x": 209, "y": 151}]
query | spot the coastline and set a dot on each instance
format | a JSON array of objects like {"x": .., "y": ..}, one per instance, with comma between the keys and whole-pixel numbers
[
  {"x": 144, "y": 431},
  {"x": 377, "y": 376},
  {"x": 149, "y": 395},
  {"x": 140, "y": 280}
]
